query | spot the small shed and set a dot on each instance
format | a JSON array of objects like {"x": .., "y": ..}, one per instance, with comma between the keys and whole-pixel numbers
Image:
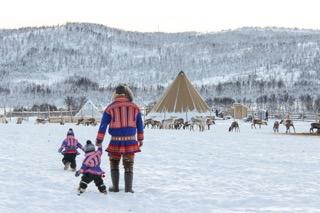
[{"x": 239, "y": 111}]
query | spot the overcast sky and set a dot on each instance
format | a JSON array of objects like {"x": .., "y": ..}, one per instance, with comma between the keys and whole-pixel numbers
[{"x": 163, "y": 15}]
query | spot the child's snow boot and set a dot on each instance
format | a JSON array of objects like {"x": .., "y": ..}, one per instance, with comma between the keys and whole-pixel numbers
[
  {"x": 66, "y": 166},
  {"x": 81, "y": 190},
  {"x": 102, "y": 188}
]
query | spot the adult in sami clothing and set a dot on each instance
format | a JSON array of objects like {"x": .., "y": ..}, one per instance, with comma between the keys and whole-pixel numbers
[{"x": 126, "y": 130}]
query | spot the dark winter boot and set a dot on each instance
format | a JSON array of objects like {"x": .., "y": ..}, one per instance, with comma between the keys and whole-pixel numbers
[
  {"x": 115, "y": 180},
  {"x": 128, "y": 179},
  {"x": 114, "y": 164},
  {"x": 128, "y": 175},
  {"x": 102, "y": 189}
]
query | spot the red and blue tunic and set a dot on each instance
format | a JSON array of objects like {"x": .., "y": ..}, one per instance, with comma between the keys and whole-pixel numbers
[
  {"x": 125, "y": 122},
  {"x": 91, "y": 163},
  {"x": 70, "y": 145}
]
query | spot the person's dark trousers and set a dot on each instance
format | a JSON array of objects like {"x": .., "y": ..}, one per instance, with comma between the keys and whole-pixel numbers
[
  {"x": 71, "y": 158},
  {"x": 88, "y": 178}
]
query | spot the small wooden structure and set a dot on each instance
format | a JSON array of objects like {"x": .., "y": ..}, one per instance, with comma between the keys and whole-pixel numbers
[{"x": 239, "y": 111}]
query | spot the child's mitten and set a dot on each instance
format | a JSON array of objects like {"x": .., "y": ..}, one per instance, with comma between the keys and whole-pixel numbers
[{"x": 77, "y": 173}]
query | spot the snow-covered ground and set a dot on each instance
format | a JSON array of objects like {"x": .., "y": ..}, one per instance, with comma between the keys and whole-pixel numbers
[{"x": 177, "y": 171}]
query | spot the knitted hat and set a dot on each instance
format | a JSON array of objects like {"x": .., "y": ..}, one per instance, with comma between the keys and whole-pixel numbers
[
  {"x": 89, "y": 147},
  {"x": 70, "y": 132}
]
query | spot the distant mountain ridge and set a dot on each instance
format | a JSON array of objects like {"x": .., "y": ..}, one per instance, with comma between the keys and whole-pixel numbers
[{"x": 47, "y": 57}]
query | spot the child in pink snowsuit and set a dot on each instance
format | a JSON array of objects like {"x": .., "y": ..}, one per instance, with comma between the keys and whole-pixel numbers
[
  {"x": 69, "y": 148},
  {"x": 91, "y": 168}
]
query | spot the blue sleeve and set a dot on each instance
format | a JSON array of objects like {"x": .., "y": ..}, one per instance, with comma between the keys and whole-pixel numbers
[
  {"x": 139, "y": 123},
  {"x": 140, "y": 127},
  {"x": 63, "y": 145},
  {"x": 79, "y": 145},
  {"x": 106, "y": 118},
  {"x": 83, "y": 167},
  {"x": 100, "y": 149}
]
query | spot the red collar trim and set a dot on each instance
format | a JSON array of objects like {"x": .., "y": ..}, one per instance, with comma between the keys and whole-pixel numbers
[{"x": 121, "y": 99}]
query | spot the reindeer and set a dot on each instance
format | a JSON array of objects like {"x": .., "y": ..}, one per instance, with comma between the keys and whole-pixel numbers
[
  {"x": 153, "y": 123},
  {"x": 200, "y": 121},
  {"x": 288, "y": 123},
  {"x": 3, "y": 120},
  {"x": 156, "y": 124},
  {"x": 90, "y": 121},
  {"x": 167, "y": 123},
  {"x": 187, "y": 124},
  {"x": 315, "y": 126},
  {"x": 258, "y": 122},
  {"x": 276, "y": 126},
  {"x": 19, "y": 120},
  {"x": 210, "y": 121},
  {"x": 61, "y": 121},
  {"x": 41, "y": 121},
  {"x": 148, "y": 122},
  {"x": 234, "y": 126},
  {"x": 178, "y": 123},
  {"x": 80, "y": 121}
]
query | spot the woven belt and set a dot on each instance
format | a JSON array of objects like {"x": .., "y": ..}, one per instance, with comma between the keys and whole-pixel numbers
[{"x": 124, "y": 138}]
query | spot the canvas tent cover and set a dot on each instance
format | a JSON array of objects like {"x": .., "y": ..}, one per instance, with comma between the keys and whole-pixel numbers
[
  {"x": 89, "y": 110},
  {"x": 181, "y": 96}
]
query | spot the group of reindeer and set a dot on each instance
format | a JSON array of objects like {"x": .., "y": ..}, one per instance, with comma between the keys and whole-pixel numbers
[
  {"x": 235, "y": 125},
  {"x": 87, "y": 121},
  {"x": 83, "y": 121},
  {"x": 288, "y": 123},
  {"x": 5, "y": 121},
  {"x": 202, "y": 122}
]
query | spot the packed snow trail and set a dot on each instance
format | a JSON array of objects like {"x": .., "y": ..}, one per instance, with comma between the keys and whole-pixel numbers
[{"x": 177, "y": 171}]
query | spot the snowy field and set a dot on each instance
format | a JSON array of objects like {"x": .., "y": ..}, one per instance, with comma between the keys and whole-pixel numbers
[{"x": 177, "y": 171}]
